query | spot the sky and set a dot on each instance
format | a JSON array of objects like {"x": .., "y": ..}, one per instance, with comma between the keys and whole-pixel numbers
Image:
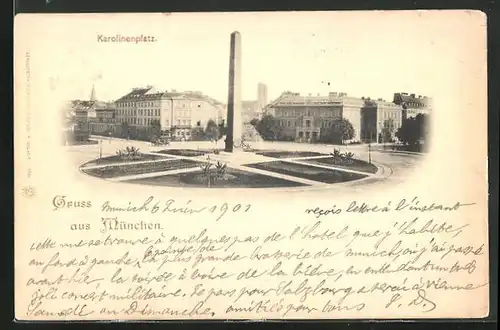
[{"x": 371, "y": 54}]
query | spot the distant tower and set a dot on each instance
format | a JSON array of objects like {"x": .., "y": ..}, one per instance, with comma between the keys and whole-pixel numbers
[
  {"x": 92, "y": 94},
  {"x": 261, "y": 96}
]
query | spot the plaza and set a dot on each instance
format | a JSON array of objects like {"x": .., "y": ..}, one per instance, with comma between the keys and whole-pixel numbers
[
  {"x": 271, "y": 166},
  {"x": 233, "y": 162}
]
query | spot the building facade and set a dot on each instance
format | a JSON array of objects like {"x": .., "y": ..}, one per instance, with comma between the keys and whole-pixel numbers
[
  {"x": 176, "y": 112},
  {"x": 104, "y": 121},
  {"x": 250, "y": 110},
  {"x": 306, "y": 118},
  {"x": 412, "y": 104},
  {"x": 380, "y": 120}
]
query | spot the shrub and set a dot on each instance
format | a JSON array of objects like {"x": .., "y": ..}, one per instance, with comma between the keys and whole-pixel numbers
[
  {"x": 337, "y": 155},
  {"x": 220, "y": 170},
  {"x": 348, "y": 157},
  {"x": 129, "y": 153}
]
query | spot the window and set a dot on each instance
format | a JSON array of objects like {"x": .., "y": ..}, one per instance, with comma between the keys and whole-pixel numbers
[{"x": 308, "y": 123}]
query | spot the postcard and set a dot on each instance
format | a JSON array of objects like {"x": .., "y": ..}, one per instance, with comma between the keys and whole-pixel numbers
[{"x": 251, "y": 166}]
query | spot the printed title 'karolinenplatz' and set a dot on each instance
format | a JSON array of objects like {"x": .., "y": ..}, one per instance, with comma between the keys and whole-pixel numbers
[{"x": 130, "y": 39}]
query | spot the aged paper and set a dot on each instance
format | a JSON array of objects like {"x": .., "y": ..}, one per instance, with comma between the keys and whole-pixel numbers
[{"x": 315, "y": 165}]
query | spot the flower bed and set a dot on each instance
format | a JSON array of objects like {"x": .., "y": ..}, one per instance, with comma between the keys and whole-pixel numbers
[
  {"x": 113, "y": 171},
  {"x": 185, "y": 152},
  {"x": 116, "y": 159},
  {"x": 352, "y": 164},
  {"x": 289, "y": 154},
  {"x": 308, "y": 172},
  {"x": 234, "y": 179}
]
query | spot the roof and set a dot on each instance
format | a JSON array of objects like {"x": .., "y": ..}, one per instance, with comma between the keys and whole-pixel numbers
[
  {"x": 84, "y": 105},
  {"x": 139, "y": 93},
  {"x": 295, "y": 99},
  {"x": 411, "y": 99},
  {"x": 151, "y": 93},
  {"x": 78, "y": 105}
]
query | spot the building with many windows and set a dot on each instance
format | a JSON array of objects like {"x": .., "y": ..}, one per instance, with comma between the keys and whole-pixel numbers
[
  {"x": 305, "y": 118},
  {"x": 176, "y": 112},
  {"x": 377, "y": 115},
  {"x": 104, "y": 120},
  {"x": 91, "y": 115},
  {"x": 412, "y": 104}
]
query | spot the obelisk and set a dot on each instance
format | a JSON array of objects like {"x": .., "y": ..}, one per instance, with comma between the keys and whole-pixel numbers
[{"x": 234, "y": 117}]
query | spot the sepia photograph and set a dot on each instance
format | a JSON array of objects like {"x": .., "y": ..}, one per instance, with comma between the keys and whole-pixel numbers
[
  {"x": 249, "y": 166},
  {"x": 225, "y": 134}
]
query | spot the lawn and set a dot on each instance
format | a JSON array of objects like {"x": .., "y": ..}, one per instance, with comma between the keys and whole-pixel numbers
[
  {"x": 115, "y": 159},
  {"x": 113, "y": 171},
  {"x": 308, "y": 172},
  {"x": 289, "y": 154},
  {"x": 235, "y": 179},
  {"x": 185, "y": 152},
  {"x": 356, "y": 165}
]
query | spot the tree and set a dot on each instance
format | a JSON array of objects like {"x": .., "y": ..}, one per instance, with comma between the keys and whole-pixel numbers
[
  {"x": 410, "y": 131},
  {"x": 155, "y": 130},
  {"x": 125, "y": 130},
  {"x": 222, "y": 129},
  {"x": 387, "y": 130},
  {"x": 211, "y": 130},
  {"x": 423, "y": 125},
  {"x": 340, "y": 131},
  {"x": 267, "y": 127},
  {"x": 197, "y": 133}
]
